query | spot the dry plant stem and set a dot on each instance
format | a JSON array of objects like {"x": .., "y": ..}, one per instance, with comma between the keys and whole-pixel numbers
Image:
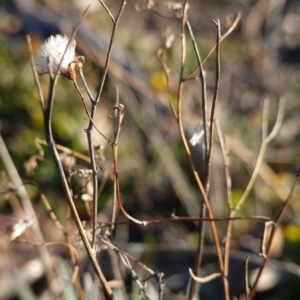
[
  {"x": 124, "y": 257},
  {"x": 266, "y": 140},
  {"x": 92, "y": 114},
  {"x": 212, "y": 122},
  {"x": 91, "y": 152},
  {"x": 71, "y": 253},
  {"x": 208, "y": 147},
  {"x": 230, "y": 206},
  {"x": 29, "y": 212},
  {"x": 161, "y": 286},
  {"x": 201, "y": 225},
  {"x": 202, "y": 76},
  {"x": 207, "y": 219},
  {"x": 276, "y": 226},
  {"x": 119, "y": 109},
  {"x": 116, "y": 270},
  {"x": 86, "y": 85},
  {"x": 216, "y": 93},
  {"x": 107, "y": 10},
  {"x": 226, "y": 165},
  {"x": 134, "y": 276},
  {"x": 76, "y": 154},
  {"x": 181, "y": 129},
  {"x": 205, "y": 279},
  {"x": 35, "y": 74},
  {"x": 108, "y": 57},
  {"x": 47, "y": 113},
  {"x": 230, "y": 29},
  {"x": 117, "y": 124},
  {"x": 111, "y": 245},
  {"x": 52, "y": 214},
  {"x": 58, "y": 164},
  {"x": 92, "y": 157},
  {"x": 94, "y": 180},
  {"x": 247, "y": 277}
]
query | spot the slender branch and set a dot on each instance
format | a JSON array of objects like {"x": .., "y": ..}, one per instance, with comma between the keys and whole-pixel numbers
[
  {"x": 35, "y": 74},
  {"x": 202, "y": 76},
  {"x": 58, "y": 164},
  {"x": 262, "y": 151},
  {"x": 119, "y": 109},
  {"x": 224, "y": 36},
  {"x": 272, "y": 235},
  {"x": 201, "y": 225},
  {"x": 207, "y": 145},
  {"x": 86, "y": 85},
  {"x": 224, "y": 149},
  {"x": 230, "y": 207},
  {"x": 92, "y": 114},
  {"x": 107, "y": 10},
  {"x": 247, "y": 277},
  {"x": 117, "y": 125},
  {"x": 88, "y": 113},
  {"x": 181, "y": 129},
  {"x": 254, "y": 175},
  {"x": 47, "y": 112},
  {"x": 108, "y": 57},
  {"x": 216, "y": 93}
]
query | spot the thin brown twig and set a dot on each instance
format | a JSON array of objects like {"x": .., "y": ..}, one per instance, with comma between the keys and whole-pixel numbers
[
  {"x": 86, "y": 85},
  {"x": 119, "y": 109},
  {"x": 117, "y": 124},
  {"x": 262, "y": 150},
  {"x": 206, "y": 219},
  {"x": 107, "y": 10},
  {"x": 194, "y": 219},
  {"x": 201, "y": 225},
  {"x": 87, "y": 111},
  {"x": 55, "y": 157},
  {"x": 108, "y": 57},
  {"x": 181, "y": 129},
  {"x": 75, "y": 154},
  {"x": 247, "y": 277},
  {"x": 230, "y": 206},
  {"x": 125, "y": 259},
  {"x": 264, "y": 144},
  {"x": 35, "y": 74},
  {"x": 224, "y": 36},
  {"x": 216, "y": 93},
  {"x": 92, "y": 114},
  {"x": 71, "y": 253},
  {"x": 272, "y": 235},
  {"x": 225, "y": 153},
  {"x": 212, "y": 122},
  {"x": 47, "y": 112},
  {"x": 202, "y": 76},
  {"x": 52, "y": 214},
  {"x": 207, "y": 145}
]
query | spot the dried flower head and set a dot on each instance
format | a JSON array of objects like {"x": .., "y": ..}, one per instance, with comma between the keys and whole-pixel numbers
[{"x": 51, "y": 53}]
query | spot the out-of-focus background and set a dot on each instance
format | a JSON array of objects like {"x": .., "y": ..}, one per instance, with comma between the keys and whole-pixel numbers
[{"x": 260, "y": 62}]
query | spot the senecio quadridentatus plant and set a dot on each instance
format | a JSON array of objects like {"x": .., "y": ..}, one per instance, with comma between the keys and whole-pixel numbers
[{"x": 57, "y": 55}]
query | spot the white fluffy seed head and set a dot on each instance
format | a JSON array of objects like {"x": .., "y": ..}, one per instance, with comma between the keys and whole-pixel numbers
[{"x": 53, "y": 50}]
